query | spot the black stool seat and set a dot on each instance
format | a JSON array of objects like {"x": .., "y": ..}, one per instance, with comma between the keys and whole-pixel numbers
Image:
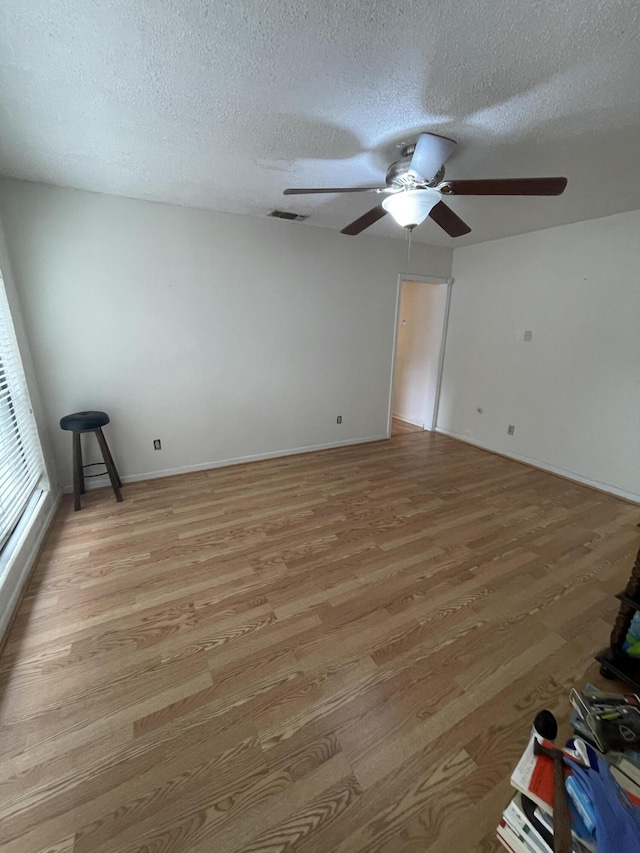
[
  {"x": 81, "y": 422},
  {"x": 84, "y": 421}
]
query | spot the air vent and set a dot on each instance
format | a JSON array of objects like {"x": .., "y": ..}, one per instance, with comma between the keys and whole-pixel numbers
[{"x": 286, "y": 214}]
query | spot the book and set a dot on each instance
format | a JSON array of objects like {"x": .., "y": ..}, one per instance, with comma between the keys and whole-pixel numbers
[
  {"x": 631, "y": 789},
  {"x": 512, "y": 841},
  {"x": 533, "y": 775},
  {"x": 529, "y": 808},
  {"x": 626, "y": 763},
  {"x": 518, "y": 821},
  {"x": 633, "y": 758},
  {"x": 578, "y": 845}
]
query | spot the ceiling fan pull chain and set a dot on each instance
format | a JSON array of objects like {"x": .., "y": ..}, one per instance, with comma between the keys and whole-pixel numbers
[{"x": 410, "y": 230}]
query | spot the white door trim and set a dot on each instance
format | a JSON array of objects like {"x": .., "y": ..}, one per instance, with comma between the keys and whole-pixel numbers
[{"x": 427, "y": 279}]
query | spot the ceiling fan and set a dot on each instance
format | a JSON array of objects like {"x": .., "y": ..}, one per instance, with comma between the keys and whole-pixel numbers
[{"x": 416, "y": 184}]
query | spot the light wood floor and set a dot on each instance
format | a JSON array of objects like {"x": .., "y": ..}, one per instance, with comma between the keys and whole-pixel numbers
[
  {"x": 399, "y": 427},
  {"x": 329, "y": 653}
]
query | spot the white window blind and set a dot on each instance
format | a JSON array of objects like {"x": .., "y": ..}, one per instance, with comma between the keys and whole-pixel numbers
[{"x": 21, "y": 464}]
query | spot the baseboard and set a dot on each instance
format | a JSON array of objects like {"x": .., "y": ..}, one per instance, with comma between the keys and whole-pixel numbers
[
  {"x": 407, "y": 420},
  {"x": 18, "y": 573},
  {"x": 101, "y": 482},
  {"x": 550, "y": 469}
]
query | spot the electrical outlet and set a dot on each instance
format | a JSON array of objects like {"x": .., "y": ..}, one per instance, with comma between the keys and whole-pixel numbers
[
  {"x": 157, "y": 444},
  {"x": 339, "y": 419},
  {"x": 511, "y": 429},
  {"x": 528, "y": 335}
]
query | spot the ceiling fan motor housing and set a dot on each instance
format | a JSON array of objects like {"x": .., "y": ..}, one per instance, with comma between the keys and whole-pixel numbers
[{"x": 398, "y": 175}]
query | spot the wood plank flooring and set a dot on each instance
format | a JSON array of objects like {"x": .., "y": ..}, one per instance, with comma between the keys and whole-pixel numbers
[
  {"x": 330, "y": 653},
  {"x": 399, "y": 427}
]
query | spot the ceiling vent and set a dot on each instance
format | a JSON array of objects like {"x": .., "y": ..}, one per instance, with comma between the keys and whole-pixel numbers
[{"x": 286, "y": 214}]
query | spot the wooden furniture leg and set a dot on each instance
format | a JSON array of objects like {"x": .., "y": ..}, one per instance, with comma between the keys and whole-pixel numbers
[
  {"x": 614, "y": 662},
  {"x": 78, "y": 478},
  {"x": 81, "y": 463},
  {"x": 626, "y": 612},
  {"x": 107, "y": 456},
  {"x": 111, "y": 468}
]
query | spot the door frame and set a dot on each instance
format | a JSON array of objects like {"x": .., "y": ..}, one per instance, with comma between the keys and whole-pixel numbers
[{"x": 426, "y": 279}]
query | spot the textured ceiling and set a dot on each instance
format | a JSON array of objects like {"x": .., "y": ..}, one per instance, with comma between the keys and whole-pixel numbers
[{"x": 224, "y": 104}]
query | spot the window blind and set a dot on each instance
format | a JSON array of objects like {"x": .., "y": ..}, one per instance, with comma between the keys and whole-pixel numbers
[{"x": 21, "y": 463}]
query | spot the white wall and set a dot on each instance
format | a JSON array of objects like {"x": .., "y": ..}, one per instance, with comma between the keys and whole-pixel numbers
[
  {"x": 226, "y": 337},
  {"x": 573, "y": 392},
  {"x": 419, "y": 341}
]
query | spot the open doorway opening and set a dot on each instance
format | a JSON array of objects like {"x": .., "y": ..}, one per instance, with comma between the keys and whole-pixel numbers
[{"x": 423, "y": 306}]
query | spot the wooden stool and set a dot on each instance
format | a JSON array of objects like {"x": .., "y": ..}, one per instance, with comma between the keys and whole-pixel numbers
[{"x": 81, "y": 422}]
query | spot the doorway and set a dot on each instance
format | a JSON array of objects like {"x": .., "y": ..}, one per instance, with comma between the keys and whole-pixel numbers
[{"x": 423, "y": 306}]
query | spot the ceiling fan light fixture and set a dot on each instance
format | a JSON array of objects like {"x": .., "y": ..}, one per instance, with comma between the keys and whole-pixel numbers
[{"x": 411, "y": 207}]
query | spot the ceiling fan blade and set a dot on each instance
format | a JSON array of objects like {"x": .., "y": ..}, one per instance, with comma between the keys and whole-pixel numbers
[
  {"x": 506, "y": 186},
  {"x": 364, "y": 221},
  {"x": 448, "y": 220},
  {"x": 430, "y": 154},
  {"x": 307, "y": 191}
]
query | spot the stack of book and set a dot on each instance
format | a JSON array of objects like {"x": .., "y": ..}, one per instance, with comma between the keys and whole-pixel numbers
[
  {"x": 608, "y": 724},
  {"x": 527, "y": 822}
]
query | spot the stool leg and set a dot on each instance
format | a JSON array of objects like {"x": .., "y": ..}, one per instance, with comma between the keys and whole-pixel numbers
[
  {"x": 81, "y": 466},
  {"x": 108, "y": 461},
  {"x": 77, "y": 471},
  {"x": 108, "y": 456}
]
